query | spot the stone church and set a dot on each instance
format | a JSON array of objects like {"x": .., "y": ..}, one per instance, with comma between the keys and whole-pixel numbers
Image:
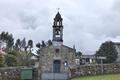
[{"x": 57, "y": 58}]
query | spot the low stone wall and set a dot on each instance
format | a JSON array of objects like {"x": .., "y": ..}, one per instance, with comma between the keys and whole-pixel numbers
[
  {"x": 13, "y": 73},
  {"x": 95, "y": 69},
  {"x": 10, "y": 73}
]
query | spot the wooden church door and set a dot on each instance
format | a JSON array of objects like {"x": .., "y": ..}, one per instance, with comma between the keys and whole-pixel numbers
[{"x": 56, "y": 66}]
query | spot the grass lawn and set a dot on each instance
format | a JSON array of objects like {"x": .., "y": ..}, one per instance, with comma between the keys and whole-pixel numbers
[{"x": 100, "y": 77}]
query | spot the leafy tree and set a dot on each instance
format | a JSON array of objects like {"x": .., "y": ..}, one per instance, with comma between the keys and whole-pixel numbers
[
  {"x": 108, "y": 50},
  {"x": 1, "y": 61},
  {"x": 12, "y": 52},
  {"x": 18, "y": 58},
  {"x": 10, "y": 60},
  {"x": 24, "y": 58},
  {"x": 14, "y": 55}
]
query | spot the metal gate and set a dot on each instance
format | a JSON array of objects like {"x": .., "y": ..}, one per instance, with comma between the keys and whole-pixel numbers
[{"x": 54, "y": 76}]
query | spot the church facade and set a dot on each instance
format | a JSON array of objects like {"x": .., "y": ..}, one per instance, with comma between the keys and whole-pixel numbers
[{"x": 57, "y": 58}]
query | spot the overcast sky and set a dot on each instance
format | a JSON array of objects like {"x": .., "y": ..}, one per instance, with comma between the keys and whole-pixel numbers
[{"x": 87, "y": 23}]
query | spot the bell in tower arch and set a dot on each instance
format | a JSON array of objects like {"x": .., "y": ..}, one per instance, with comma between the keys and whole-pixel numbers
[{"x": 57, "y": 32}]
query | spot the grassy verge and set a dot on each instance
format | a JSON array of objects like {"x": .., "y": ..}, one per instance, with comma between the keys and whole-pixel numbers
[{"x": 100, "y": 77}]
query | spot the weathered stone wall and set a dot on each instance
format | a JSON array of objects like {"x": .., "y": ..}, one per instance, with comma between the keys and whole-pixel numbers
[
  {"x": 49, "y": 54},
  {"x": 13, "y": 73},
  {"x": 10, "y": 73},
  {"x": 93, "y": 69}
]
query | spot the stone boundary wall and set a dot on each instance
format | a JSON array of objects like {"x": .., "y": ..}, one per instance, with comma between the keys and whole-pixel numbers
[
  {"x": 10, "y": 73},
  {"x": 95, "y": 69},
  {"x": 13, "y": 73}
]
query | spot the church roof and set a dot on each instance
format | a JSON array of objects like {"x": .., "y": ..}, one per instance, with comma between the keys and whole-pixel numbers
[
  {"x": 61, "y": 45},
  {"x": 68, "y": 47}
]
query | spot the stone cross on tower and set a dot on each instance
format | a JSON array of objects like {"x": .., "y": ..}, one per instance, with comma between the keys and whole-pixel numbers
[{"x": 58, "y": 9}]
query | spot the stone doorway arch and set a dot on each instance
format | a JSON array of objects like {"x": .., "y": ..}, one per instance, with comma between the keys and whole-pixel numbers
[{"x": 56, "y": 66}]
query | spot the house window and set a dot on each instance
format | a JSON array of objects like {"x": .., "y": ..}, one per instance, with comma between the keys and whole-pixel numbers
[{"x": 57, "y": 50}]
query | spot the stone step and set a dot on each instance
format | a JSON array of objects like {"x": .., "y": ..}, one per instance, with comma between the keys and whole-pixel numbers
[{"x": 54, "y": 76}]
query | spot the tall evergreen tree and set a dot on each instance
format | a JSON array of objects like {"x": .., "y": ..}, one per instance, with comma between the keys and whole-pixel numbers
[
  {"x": 108, "y": 50},
  {"x": 49, "y": 43},
  {"x": 10, "y": 41},
  {"x": 2, "y": 36},
  {"x": 23, "y": 44},
  {"x": 43, "y": 44},
  {"x": 30, "y": 45},
  {"x": 17, "y": 44},
  {"x": 38, "y": 45},
  {"x": 7, "y": 38}
]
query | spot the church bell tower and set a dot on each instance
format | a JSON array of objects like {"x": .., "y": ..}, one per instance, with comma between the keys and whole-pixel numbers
[{"x": 58, "y": 29}]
